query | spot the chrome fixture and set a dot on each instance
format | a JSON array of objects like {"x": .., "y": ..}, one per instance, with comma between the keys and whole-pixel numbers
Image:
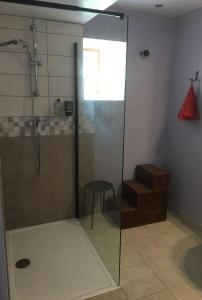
[
  {"x": 12, "y": 42},
  {"x": 34, "y": 61},
  {"x": 24, "y": 46},
  {"x": 36, "y": 123}
]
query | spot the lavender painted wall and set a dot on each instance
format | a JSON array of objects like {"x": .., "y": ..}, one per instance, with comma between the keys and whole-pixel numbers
[
  {"x": 184, "y": 139},
  {"x": 147, "y": 89}
]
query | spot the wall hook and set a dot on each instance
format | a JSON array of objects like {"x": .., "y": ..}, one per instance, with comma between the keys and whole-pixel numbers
[{"x": 196, "y": 77}]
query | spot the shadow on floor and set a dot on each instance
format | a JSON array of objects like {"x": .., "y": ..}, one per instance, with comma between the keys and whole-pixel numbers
[
  {"x": 193, "y": 265},
  {"x": 188, "y": 257}
]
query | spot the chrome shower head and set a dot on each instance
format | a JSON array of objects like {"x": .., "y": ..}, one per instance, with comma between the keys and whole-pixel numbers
[
  {"x": 25, "y": 46},
  {"x": 12, "y": 42},
  {"x": 22, "y": 43}
]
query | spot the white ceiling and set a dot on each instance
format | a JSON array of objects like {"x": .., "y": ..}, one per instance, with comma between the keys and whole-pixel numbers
[
  {"x": 56, "y": 14},
  {"x": 171, "y": 8}
]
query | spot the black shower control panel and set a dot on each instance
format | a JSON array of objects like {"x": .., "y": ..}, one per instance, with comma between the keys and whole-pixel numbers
[{"x": 69, "y": 108}]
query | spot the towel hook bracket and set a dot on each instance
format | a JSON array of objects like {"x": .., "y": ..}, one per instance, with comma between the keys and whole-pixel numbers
[{"x": 195, "y": 78}]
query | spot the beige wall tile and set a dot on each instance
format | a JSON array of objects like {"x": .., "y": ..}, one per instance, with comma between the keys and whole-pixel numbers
[
  {"x": 43, "y": 69},
  {"x": 19, "y": 64},
  {"x": 41, "y": 39},
  {"x": 17, "y": 22},
  {"x": 63, "y": 45},
  {"x": 14, "y": 85},
  {"x": 14, "y": 63},
  {"x": 41, "y": 106},
  {"x": 10, "y": 34},
  {"x": 15, "y": 106},
  {"x": 64, "y": 28},
  {"x": 19, "y": 85},
  {"x": 61, "y": 86},
  {"x": 61, "y": 66},
  {"x": 43, "y": 85}
]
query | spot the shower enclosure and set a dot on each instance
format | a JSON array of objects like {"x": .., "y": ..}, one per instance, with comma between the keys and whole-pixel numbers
[{"x": 61, "y": 146}]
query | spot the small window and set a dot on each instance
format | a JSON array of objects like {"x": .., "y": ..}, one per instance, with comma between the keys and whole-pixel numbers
[{"x": 104, "y": 70}]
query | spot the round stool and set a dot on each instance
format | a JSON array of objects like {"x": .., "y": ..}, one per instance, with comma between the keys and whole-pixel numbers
[{"x": 98, "y": 187}]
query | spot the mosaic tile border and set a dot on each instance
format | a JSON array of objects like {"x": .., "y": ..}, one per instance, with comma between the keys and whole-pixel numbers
[{"x": 28, "y": 126}]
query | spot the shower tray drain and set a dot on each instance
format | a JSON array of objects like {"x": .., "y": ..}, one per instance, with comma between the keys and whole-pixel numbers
[{"x": 23, "y": 263}]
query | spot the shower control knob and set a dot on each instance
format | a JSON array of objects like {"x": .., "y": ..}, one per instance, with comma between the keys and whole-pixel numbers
[{"x": 145, "y": 53}]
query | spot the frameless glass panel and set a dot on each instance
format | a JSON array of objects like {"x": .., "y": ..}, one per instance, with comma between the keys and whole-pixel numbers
[{"x": 101, "y": 130}]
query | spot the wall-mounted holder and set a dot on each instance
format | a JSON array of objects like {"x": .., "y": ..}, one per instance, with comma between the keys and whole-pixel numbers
[
  {"x": 195, "y": 78},
  {"x": 144, "y": 53}
]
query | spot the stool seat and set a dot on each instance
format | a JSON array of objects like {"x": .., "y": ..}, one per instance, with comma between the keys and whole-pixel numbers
[{"x": 99, "y": 186}]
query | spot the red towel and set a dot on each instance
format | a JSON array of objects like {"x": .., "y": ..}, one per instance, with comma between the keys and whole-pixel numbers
[{"x": 189, "y": 109}]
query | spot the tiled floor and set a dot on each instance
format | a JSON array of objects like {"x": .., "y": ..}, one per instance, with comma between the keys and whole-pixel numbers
[{"x": 161, "y": 261}]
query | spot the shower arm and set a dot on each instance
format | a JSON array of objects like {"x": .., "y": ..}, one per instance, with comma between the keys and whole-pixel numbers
[{"x": 12, "y": 42}]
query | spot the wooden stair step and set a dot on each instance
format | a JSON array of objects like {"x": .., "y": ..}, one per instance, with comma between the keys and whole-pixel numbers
[
  {"x": 133, "y": 217},
  {"x": 128, "y": 215},
  {"x": 141, "y": 197},
  {"x": 151, "y": 216},
  {"x": 153, "y": 177}
]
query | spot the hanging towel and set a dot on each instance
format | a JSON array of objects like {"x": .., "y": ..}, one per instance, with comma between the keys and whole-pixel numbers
[{"x": 189, "y": 109}]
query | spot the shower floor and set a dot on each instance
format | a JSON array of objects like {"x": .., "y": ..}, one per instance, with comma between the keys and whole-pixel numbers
[{"x": 64, "y": 264}]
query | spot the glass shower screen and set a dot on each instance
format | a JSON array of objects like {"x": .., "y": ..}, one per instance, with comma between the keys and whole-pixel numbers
[{"x": 101, "y": 109}]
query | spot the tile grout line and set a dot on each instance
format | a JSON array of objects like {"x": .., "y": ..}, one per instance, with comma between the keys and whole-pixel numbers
[
  {"x": 47, "y": 60},
  {"x": 167, "y": 289},
  {"x": 40, "y": 54},
  {"x": 46, "y": 31},
  {"x": 26, "y": 75},
  {"x": 125, "y": 293}
]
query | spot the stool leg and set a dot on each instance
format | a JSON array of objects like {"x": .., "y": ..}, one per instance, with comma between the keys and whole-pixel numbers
[
  {"x": 103, "y": 202},
  {"x": 84, "y": 200},
  {"x": 92, "y": 212},
  {"x": 114, "y": 198}
]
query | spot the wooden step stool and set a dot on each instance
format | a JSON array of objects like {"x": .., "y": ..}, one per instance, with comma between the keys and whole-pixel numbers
[
  {"x": 145, "y": 199},
  {"x": 141, "y": 197},
  {"x": 152, "y": 177}
]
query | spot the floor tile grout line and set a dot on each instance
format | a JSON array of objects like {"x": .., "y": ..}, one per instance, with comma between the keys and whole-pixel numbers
[
  {"x": 145, "y": 297},
  {"x": 191, "y": 235},
  {"x": 173, "y": 294},
  {"x": 155, "y": 273},
  {"x": 166, "y": 289},
  {"x": 125, "y": 293}
]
